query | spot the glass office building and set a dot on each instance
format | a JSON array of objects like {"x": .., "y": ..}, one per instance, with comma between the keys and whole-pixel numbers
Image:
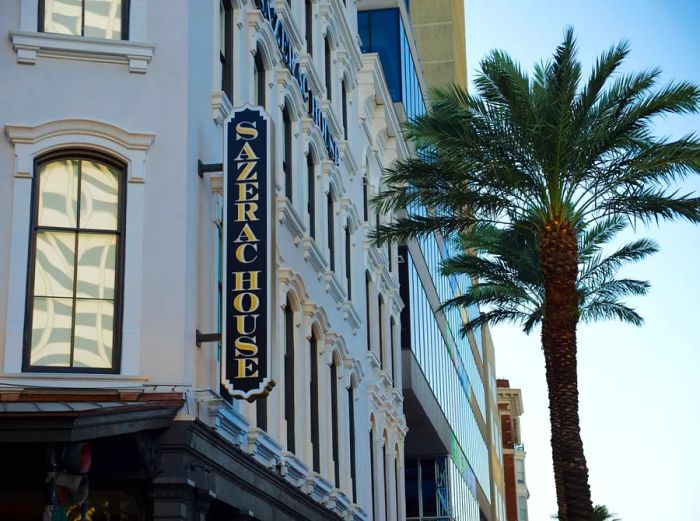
[{"x": 447, "y": 475}]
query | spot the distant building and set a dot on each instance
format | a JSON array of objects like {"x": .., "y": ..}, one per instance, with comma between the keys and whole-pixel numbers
[
  {"x": 451, "y": 465},
  {"x": 510, "y": 405}
]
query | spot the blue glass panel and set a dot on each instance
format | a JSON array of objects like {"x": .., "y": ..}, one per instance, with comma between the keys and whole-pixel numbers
[{"x": 379, "y": 31}]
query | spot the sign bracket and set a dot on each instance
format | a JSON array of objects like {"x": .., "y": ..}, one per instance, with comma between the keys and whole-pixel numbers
[
  {"x": 208, "y": 168},
  {"x": 203, "y": 338}
]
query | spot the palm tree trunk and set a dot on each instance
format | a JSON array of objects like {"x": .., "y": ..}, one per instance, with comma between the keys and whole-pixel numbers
[{"x": 559, "y": 260}]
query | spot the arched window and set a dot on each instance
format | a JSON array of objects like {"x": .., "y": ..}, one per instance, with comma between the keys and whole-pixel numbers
[
  {"x": 392, "y": 327},
  {"x": 371, "y": 468},
  {"x": 368, "y": 314},
  {"x": 351, "y": 427},
  {"x": 334, "y": 423},
  {"x": 289, "y": 374},
  {"x": 330, "y": 212},
  {"x": 385, "y": 464},
  {"x": 328, "y": 64},
  {"x": 313, "y": 402},
  {"x": 380, "y": 320},
  {"x": 287, "y": 153},
  {"x": 259, "y": 79},
  {"x": 74, "y": 302},
  {"x": 226, "y": 47},
  {"x": 397, "y": 481},
  {"x": 348, "y": 256},
  {"x": 309, "y": 22},
  {"x": 311, "y": 188},
  {"x": 344, "y": 95},
  {"x": 365, "y": 198}
]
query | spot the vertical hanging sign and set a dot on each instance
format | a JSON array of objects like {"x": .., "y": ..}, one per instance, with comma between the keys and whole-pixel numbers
[{"x": 245, "y": 360}]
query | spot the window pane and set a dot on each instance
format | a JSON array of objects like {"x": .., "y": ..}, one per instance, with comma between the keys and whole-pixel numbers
[
  {"x": 428, "y": 486},
  {"x": 96, "y": 265},
  {"x": 53, "y": 272},
  {"x": 94, "y": 332},
  {"x": 51, "y": 331},
  {"x": 58, "y": 194},
  {"x": 412, "y": 503},
  {"x": 99, "y": 192},
  {"x": 103, "y": 19},
  {"x": 62, "y": 16}
]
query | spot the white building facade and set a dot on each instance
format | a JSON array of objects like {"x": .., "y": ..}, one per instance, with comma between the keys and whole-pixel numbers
[{"x": 110, "y": 260}]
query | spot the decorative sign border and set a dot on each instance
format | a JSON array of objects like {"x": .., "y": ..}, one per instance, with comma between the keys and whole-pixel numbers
[{"x": 247, "y": 274}]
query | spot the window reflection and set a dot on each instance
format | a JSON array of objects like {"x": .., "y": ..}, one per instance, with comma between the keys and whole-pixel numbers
[
  {"x": 92, "y": 18},
  {"x": 75, "y": 264}
]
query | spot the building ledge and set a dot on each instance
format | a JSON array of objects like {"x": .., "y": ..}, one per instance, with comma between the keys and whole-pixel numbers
[{"x": 30, "y": 45}]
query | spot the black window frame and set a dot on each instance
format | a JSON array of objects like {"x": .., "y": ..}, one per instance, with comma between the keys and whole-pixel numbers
[
  {"x": 287, "y": 153},
  {"x": 335, "y": 442},
  {"x": 261, "y": 72},
  {"x": 311, "y": 189},
  {"x": 344, "y": 108},
  {"x": 351, "y": 429},
  {"x": 227, "y": 59},
  {"x": 126, "y": 8},
  {"x": 328, "y": 67},
  {"x": 330, "y": 211},
  {"x": 78, "y": 155},
  {"x": 289, "y": 375},
  {"x": 308, "y": 26},
  {"x": 314, "y": 404},
  {"x": 348, "y": 258}
]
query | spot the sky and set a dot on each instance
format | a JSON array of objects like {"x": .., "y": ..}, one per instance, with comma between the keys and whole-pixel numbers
[{"x": 640, "y": 418}]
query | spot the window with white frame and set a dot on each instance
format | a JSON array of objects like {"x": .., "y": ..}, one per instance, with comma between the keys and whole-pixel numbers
[
  {"x": 75, "y": 266},
  {"x": 92, "y": 18}
]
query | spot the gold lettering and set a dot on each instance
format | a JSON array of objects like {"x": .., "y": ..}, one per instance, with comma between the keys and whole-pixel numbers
[
  {"x": 247, "y": 172},
  {"x": 239, "y": 302},
  {"x": 246, "y": 130},
  {"x": 240, "y": 280},
  {"x": 249, "y": 235},
  {"x": 240, "y": 253},
  {"x": 245, "y": 346},
  {"x": 247, "y": 368},
  {"x": 241, "y": 323},
  {"x": 246, "y": 192},
  {"x": 246, "y": 153},
  {"x": 246, "y": 211}
]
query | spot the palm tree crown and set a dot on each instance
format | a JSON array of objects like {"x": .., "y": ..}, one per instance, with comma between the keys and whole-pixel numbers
[{"x": 535, "y": 174}]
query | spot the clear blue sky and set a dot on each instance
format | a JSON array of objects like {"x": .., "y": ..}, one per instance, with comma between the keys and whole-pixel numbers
[{"x": 639, "y": 411}]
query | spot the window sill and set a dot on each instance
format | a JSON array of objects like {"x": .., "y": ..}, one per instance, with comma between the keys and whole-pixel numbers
[{"x": 30, "y": 45}]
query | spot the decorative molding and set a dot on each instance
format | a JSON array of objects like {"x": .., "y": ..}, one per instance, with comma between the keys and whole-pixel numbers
[
  {"x": 339, "y": 502},
  {"x": 334, "y": 288},
  {"x": 220, "y": 106},
  {"x": 355, "y": 513},
  {"x": 314, "y": 256},
  {"x": 293, "y": 469},
  {"x": 30, "y": 45},
  {"x": 222, "y": 417},
  {"x": 287, "y": 215},
  {"x": 318, "y": 488},
  {"x": 351, "y": 316},
  {"x": 263, "y": 448}
]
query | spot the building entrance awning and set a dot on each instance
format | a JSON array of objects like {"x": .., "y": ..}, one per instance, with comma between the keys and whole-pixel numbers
[{"x": 46, "y": 419}]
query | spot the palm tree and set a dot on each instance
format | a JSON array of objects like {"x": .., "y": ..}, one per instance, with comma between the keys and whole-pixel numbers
[
  {"x": 600, "y": 513},
  {"x": 552, "y": 166}
]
